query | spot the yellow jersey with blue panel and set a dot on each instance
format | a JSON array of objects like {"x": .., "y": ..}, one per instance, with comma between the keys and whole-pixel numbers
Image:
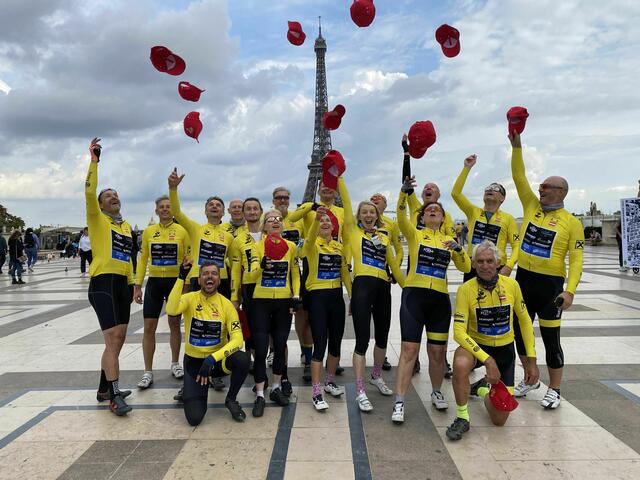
[
  {"x": 500, "y": 228},
  {"x": 327, "y": 265},
  {"x": 448, "y": 227},
  {"x": 163, "y": 248},
  {"x": 111, "y": 243},
  {"x": 281, "y": 279},
  {"x": 209, "y": 243},
  {"x": 371, "y": 253},
  {"x": 547, "y": 237},
  {"x": 211, "y": 324},
  {"x": 242, "y": 271},
  {"x": 429, "y": 257},
  {"x": 485, "y": 317},
  {"x": 233, "y": 230},
  {"x": 391, "y": 229}
]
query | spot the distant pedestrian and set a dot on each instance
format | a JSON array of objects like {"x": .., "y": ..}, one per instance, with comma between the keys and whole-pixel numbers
[
  {"x": 622, "y": 268},
  {"x": 84, "y": 245},
  {"x": 16, "y": 257},
  {"x": 3, "y": 251},
  {"x": 31, "y": 247}
]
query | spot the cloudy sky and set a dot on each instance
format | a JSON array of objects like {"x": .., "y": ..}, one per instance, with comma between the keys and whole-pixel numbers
[{"x": 71, "y": 70}]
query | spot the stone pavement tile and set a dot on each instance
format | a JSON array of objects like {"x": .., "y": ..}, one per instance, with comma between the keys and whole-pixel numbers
[
  {"x": 218, "y": 424},
  {"x": 573, "y": 470},
  {"x": 154, "y": 424},
  {"x": 39, "y": 398},
  {"x": 619, "y": 411},
  {"x": 335, "y": 416},
  {"x": 320, "y": 471},
  {"x": 138, "y": 471},
  {"x": 320, "y": 444},
  {"x": 418, "y": 469},
  {"x": 226, "y": 459},
  {"x": 108, "y": 451},
  {"x": 13, "y": 417},
  {"x": 39, "y": 460},
  {"x": 151, "y": 451},
  {"x": 90, "y": 471},
  {"x": 601, "y": 372}
]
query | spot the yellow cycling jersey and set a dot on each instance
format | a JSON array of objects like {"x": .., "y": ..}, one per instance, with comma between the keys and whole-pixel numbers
[
  {"x": 546, "y": 237},
  {"x": 485, "y": 317},
  {"x": 306, "y": 213},
  {"x": 242, "y": 271},
  {"x": 111, "y": 243},
  {"x": 371, "y": 252},
  {"x": 500, "y": 228},
  {"x": 209, "y": 243},
  {"x": 390, "y": 229},
  {"x": 429, "y": 257},
  {"x": 292, "y": 230},
  {"x": 281, "y": 279},
  {"x": 448, "y": 227},
  {"x": 211, "y": 324},
  {"x": 233, "y": 230},
  {"x": 325, "y": 261},
  {"x": 163, "y": 248}
]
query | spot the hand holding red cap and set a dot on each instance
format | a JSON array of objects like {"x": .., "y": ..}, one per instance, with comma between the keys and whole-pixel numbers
[
  {"x": 501, "y": 398},
  {"x": 422, "y": 135},
  {"x": 517, "y": 118},
  {"x": 332, "y": 167}
]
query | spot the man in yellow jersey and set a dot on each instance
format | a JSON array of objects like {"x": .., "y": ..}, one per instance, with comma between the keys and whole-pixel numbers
[
  {"x": 237, "y": 221},
  {"x": 548, "y": 234},
  {"x": 210, "y": 242},
  {"x": 483, "y": 327},
  {"x": 163, "y": 246},
  {"x": 111, "y": 284},
  {"x": 213, "y": 339},
  {"x": 488, "y": 222}
]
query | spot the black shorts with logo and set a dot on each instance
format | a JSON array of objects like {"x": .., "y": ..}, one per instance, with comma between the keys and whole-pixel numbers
[
  {"x": 505, "y": 357},
  {"x": 110, "y": 296},
  {"x": 155, "y": 294}
]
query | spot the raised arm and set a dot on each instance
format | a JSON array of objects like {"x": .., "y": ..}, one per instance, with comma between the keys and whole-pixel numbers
[
  {"x": 349, "y": 219},
  {"x": 525, "y": 193},
  {"x": 189, "y": 225},
  {"x": 300, "y": 212},
  {"x": 91, "y": 183},
  {"x": 456, "y": 192}
]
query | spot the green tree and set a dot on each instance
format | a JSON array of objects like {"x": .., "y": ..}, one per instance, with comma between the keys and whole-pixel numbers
[{"x": 8, "y": 220}]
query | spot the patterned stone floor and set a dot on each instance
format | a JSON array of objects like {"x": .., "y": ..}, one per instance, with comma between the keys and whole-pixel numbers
[{"x": 51, "y": 426}]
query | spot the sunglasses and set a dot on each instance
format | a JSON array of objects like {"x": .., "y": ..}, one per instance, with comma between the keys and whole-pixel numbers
[
  {"x": 547, "y": 186},
  {"x": 494, "y": 188},
  {"x": 273, "y": 219},
  {"x": 281, "y": 197}
]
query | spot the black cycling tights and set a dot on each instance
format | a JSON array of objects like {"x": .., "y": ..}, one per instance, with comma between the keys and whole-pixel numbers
[
  {"x": 270, "y": 317},
  {"x": 326, "y": 317},
  {"x": 370, "y": 296}
]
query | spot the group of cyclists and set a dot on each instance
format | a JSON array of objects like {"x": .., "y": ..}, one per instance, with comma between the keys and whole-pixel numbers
[{"x": 238, "y": 285}]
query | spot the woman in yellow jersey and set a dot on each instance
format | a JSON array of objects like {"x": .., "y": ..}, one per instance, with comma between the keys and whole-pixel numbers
[
  {"x": 372, "y": 254},
  {"x": 425, "y": 297},
  {"x": 275, "y": 298},
  {"x": 111, "y": 285},
  {"x": 213, "y": 339},
  {"x": 327, "y": 270}
]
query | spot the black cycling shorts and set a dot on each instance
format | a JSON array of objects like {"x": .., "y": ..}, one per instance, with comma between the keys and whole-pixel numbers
[
  {"x": 424, "y": 308},
  {"x": 505, "y": 357},
  {"x": 110, "y": 296},
  {"x": 539, "y": 293},
  {"x": 155, "y": 294}
]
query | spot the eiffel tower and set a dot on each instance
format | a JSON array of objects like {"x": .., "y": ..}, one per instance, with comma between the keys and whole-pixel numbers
[{"x": 321, "y": 136}]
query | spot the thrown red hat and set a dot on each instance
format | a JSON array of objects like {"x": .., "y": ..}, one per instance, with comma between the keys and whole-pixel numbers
[
  {"x": 332, "y": 167},
  {"x": 275, "y": 247},
  {"x": 189, "y": 92},
  {"x": 517, "y": 117},
  {"x": 340, "y": 110},
  {"x": 193, "y": 125},
  {"x": 332, "y": 119},
  {"x": 363, "y": 12},
  {"x": 164, "y": 60},
  {"x": 501, "y": 398},
  {"x": 449, "y": 39},
  {"x": 295, "y": 35},
  {"x": 421, "y": 136}
]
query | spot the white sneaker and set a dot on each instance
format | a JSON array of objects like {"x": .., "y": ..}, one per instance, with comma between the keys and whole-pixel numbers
[
  {"x": 147, "y": 380},
  {"x": 437, "y": 399},
  {"x": 398, "y": 413},
  {"x": 379, "y": 382},
  {"x": 522, "y": 388},
  {"x": 551, "y": 400},
  {"x": 623, "y": 269},
  {"x": 319, "y": 403},
  {"x": 363, "y": 403},
  {"x": 333, "y": 389},
  {"x": 177, "y": 371},
  {"x": 270, "y": 359}
]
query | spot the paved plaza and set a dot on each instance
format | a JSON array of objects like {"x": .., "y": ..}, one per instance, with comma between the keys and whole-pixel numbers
[{"x": 51, "y": 426}]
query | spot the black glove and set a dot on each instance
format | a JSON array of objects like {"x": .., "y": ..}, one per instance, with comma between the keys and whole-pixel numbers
[
  {"x": 315, "y": 206},
  {"x": 184, "y": 271},
  {"x": 207, "y": 367},
  {"x": 405, "y": 146},
  {"x": 295, "y": 303}
]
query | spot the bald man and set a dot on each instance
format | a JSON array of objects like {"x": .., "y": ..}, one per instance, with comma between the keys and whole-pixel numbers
[
  {"x": 549, "y": 233},
  {"x": 236, "y": 224}
]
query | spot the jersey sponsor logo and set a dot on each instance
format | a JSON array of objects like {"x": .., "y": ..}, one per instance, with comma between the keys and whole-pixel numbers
[
  {"x": 553, "y": 222},
  {"x": 516, "y": 236},
  {"x": 374, "y": 253},
  {"x": 121, "y": 246},
  {"x": 538, "y": 241},
  {"x": 485, "y": 231},
  {"x": 212, "y": 252},
  {"x": 276, "y": 276},
  {"x": 235, "y": 325},
  {"x": 156, "y": 235},
  {"x": 204, "y": 333},
  {"x": 579, "y": 244},
  {"x": 329, "y": 266},
  {"x": 164, "y": 254},
  {"x": 493, "y": 321},
  {"x": 291, "y": 235},
  {"x": 432, "y": 262}
]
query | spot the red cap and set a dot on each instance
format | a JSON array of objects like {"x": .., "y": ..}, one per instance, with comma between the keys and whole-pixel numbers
[
  {"x": 295, "y": 35},
  {"x": 193, "y": 125},
  {"x": 189, "y": 92},
  {"x": 166, "y": 61},
  {"x": 363, "y": 12},
  {"x": 421, "y": 135},
  {"x": 501, "y": 398},
  {"x": 275, "y": 247},
  {"x": 334, "y": 221},
  {"x": 340, "y": 110},
  {"x": 449, "y": 39},
  {"x": 332, "y": 119},
  {"x": 332, "y": 167},
  {"x": 517, "y": 117}
]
